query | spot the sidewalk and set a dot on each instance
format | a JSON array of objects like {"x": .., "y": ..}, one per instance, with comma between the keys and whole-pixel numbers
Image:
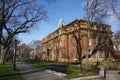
[
  {"x": 89, "y": 78},
  {"x": 30, "y": 73}
]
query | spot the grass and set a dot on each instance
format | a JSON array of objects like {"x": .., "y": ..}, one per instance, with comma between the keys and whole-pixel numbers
[
  {"x": 111, "y": 65},
  {"x": 41, "y": 64},
  {"x": 72, "y": 72},
  {"x": 7, "y": 72}
]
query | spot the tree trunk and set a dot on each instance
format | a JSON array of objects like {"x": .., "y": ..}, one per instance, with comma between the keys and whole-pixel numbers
[
  {"x": 2, "y": 59},
  {"x": 80, "y": 61}
]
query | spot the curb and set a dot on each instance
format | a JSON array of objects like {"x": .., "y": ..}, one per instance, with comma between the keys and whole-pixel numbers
[
  {"x": 56, "y": 73},
  {"x": 84, "y": 78}
]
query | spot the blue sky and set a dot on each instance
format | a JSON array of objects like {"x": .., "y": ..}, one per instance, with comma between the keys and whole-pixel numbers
[{"x": 68, "y": 10}]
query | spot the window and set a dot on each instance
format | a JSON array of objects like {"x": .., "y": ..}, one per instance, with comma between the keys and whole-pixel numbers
[
  {"x": 95, "y": 41},
  {"x": 103, "y": 54},
  {"x": 107, "y": 41},
  {"x": 107, "y": 29},
  {"x": 94, "y": 26},
  {"x": 90, "y": 41},
  {"x": 60, "y": 43},
  {"x": 96, "y": 54},
  {"x": 114, "y": 47},
  {"x": 99, "y": 28},
  {"x": 101, "y": 41},
  {"x": 119, "y": 47},
  {"x": 90, "y": 53}
]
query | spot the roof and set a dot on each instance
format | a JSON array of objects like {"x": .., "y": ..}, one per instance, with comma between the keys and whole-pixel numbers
[{"x": 65, "y": 26}]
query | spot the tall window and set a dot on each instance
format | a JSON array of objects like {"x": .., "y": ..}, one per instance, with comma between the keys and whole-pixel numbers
[
  {"x": 60, "y": 43},
  {"x": 119, "y": 47},
  {"x": 96, "y": 54},
  {"x": 103, "y": 54},
  {"x": 107, "y": 41},
  {"x": 114, "y": 47},
  {"x": 90, "y": 53},
  {"x": 95, "y": 27},
  {"x": 90, "y": 41},
  {"x": 95, "y": 40},
  {"x": 101, "y": 41},
  {"x": 60, "y": 55}
]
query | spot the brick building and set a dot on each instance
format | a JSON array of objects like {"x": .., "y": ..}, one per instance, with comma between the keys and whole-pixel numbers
[{"x": 60, "y": 45}]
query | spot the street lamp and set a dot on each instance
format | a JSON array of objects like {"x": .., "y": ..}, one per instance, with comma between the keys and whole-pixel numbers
[
  {"x": 97, "y": 63},
  {"x": 14, "y": 55}
]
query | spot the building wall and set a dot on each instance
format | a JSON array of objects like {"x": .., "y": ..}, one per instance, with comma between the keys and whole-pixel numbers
[{"x": 60, "y": 45}]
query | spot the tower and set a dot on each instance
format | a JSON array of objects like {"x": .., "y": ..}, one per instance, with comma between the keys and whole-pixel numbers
[{"x": 61, "y": 23}]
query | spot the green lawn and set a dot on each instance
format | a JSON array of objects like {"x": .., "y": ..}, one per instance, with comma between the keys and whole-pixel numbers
[
  {"x": 41, "y": 64},
  {"x": 72, "y": 72},
  {"x": 7, "y": 72}
]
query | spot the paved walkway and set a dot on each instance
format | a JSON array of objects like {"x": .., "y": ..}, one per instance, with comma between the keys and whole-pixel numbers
[
  {"x": 30, "y": 73},
  {"x": 113, "y": 75}
]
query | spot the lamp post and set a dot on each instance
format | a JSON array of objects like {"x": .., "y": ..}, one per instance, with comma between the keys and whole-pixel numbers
[
  {"x": 14, "y": 56},
  {"x": 97, "y": 62}
]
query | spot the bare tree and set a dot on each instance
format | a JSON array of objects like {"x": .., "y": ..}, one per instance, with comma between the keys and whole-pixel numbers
[
  {"x": 35, "y": 43},
  {"x": 24, "y": 51},
  {"x": 17, "y": 16},
  {"x": 77, "y": 37},
  {"x": 96, "y": 10},
  {"x": 117, "y": 39},
  {"x": 116, "y": 8}
]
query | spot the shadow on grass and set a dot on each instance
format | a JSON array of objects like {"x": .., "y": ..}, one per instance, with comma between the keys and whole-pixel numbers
[
  {"x": 22, "y": 73},
  {"x": 9, "y": 75}
]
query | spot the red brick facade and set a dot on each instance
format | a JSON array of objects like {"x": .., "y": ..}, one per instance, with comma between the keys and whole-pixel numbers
[{"x": 60, "y": 45}]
